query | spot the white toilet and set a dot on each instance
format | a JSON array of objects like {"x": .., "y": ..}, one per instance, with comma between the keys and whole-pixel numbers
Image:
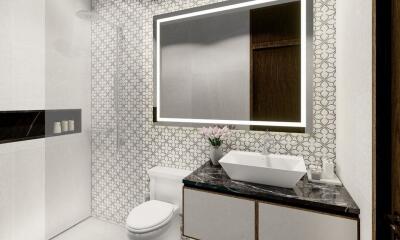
[{"x": 159, "y": 218}]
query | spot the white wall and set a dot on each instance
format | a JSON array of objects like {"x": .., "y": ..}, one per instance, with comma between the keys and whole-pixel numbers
[
  {"x": 354, "y": 104},
  {"x": 44, "y": 63},
  {"x": 68, "y": 86},
  {"x": 21, "y": 54},
  {"x": 22, "y": 194},
  {"x": 22, "y": 181}
]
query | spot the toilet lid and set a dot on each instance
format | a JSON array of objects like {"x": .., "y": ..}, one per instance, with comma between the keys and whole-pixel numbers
[{"x": 149, "y": 216}]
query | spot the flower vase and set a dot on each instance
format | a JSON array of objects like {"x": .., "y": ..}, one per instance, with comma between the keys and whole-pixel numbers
[{"x": 215, "y": 154}]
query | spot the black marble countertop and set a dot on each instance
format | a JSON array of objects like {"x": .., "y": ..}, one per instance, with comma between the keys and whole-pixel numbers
[{"x": 307, "y": 195}]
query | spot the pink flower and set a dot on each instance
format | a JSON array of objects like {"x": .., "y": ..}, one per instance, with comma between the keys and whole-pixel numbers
[
  {"x": 210, "y": 132},
  {"x": 218, "y": 134},
  {"x": 215, "y": 135},
  {"x": 215, "y": 130}
]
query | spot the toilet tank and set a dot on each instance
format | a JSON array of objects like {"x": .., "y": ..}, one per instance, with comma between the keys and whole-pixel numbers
[{"x": 166, "y": 184}]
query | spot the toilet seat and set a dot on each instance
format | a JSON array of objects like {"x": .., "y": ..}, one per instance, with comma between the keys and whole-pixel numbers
[{"x": 150, "y": 216}]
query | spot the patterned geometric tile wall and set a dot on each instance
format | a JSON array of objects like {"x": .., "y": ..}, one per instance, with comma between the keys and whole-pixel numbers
[{"x": 127, "y": 144}]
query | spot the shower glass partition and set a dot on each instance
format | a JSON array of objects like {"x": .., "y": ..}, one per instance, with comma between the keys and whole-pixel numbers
[{"x": 68, "y": 115}]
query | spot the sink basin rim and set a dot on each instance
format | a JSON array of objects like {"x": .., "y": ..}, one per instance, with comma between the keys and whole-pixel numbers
[
  {"x": 299, "y": 167},
  {"x": 258, "y": 169}
]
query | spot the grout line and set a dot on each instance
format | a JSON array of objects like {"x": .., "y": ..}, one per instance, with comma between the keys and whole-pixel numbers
[{"x": 83, "y": 220}]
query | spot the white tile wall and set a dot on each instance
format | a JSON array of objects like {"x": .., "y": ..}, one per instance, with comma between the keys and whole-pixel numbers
[
  {"x": 22, "y": 53},
  {"x": 44, "y": 63},
  {"x": 22, "y": 190},
  {"x": 22, "y": 166}
]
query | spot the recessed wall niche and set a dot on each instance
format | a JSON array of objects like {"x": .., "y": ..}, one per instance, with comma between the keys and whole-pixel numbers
[{"x": 33, "y": 124}]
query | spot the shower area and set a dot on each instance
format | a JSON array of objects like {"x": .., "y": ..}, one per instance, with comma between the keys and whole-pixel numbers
[
  {"x": 61, "y": 116},
  {"x": 70, "y": 211}
]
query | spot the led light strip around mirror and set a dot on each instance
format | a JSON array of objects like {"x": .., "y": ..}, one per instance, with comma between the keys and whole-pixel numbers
[{"x": 241, "y": 5}]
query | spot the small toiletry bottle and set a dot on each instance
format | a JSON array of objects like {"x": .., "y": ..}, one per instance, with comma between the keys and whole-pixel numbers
[
  {"x": 64, "y": 126},
  {"x": 315, "y": 173},
  {"x": 71, "y": 125},
  {"x": 328, "y": 168},
  {"x": 57, "y": 128}
]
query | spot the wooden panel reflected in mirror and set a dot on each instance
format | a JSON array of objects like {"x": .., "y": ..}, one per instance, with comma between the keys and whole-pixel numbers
[{"x": 275, "y": 55}]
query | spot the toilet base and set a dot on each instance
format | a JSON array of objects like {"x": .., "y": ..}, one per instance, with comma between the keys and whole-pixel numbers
[{"x": 171, "y": 231}]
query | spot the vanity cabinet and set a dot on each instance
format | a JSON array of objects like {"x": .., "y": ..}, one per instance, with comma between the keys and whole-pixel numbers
[
  {"x": 213, "y": 216},
  {"x": 217, "y": 217},
  {"x": 277, "y": 222}
]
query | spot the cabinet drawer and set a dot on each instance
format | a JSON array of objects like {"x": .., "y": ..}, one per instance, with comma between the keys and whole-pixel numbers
[
  {"x": 285, "y": 223},
  {"x": 210, "y": 216}
]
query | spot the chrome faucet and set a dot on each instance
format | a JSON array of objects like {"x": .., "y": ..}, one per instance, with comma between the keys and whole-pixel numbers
[{"x": 268, "y": 140}]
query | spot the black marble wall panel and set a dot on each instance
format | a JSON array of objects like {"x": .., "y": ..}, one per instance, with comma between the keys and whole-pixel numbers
[
  {"x": 32, "y": 124},
  {"x": 21, "y": 125}
]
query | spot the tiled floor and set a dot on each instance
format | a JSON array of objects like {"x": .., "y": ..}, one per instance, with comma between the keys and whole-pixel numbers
[{"x": 94, "y": 229}]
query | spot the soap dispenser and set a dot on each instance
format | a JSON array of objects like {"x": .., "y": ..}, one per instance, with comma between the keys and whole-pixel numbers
[{"x": 328, "y": 167}]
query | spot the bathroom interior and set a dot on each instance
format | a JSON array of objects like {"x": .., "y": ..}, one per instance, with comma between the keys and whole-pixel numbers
[{"x": 176, "y": 119}]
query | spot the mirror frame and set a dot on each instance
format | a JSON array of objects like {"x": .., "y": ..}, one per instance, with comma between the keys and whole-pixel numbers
[{"x": 304, "y": 126}]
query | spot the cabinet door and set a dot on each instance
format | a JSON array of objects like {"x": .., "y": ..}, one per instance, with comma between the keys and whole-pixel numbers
[
  {"x": 209, "y": 216},
  {"x": 284, "y": 223}
]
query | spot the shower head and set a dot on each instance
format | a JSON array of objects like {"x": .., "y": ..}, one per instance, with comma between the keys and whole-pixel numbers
[
  {"x": 91, "y": 15},
  {"x": 86, "y": 14}
]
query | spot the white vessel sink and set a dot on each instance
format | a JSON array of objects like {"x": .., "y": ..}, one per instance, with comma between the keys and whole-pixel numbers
[{"x": 275, "y": 170}]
